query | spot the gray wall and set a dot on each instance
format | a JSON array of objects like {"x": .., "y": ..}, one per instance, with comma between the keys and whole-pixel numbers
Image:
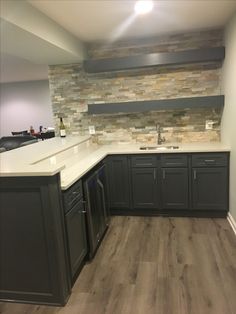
[
  {"x": 23, "y": 104},
  {"x": 228, "y": 125}
]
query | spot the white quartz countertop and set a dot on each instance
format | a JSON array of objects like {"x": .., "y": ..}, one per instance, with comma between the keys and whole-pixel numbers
[
  {"x": 26, "y": 160},
  {"x": 75, "y": 156}
]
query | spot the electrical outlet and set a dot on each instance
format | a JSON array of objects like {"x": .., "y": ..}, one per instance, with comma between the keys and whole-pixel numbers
[
  {"x": 209, "y": 124},
  {"x": 92, "y": 129}
]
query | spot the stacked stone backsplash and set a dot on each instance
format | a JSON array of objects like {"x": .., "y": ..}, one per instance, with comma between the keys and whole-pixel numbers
[{"x": 72, "y": 89}]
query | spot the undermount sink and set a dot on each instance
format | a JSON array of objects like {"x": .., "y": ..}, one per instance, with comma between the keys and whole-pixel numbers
[{"x": 158, "y": 147}]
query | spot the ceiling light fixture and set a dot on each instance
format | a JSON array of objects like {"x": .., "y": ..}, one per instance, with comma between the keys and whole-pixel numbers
[{"x": 143, "y": 6}]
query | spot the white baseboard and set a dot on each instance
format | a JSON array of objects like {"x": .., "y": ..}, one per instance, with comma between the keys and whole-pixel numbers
[{"x": 232, "y": 222}]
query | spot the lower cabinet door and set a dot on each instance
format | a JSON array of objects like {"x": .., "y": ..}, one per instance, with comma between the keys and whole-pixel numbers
[
  {"x": 76, "y": 234},
  {"x": 209, "y": 188},
  {"x": 144, "y": 188},
  {"x": 175, "y": 188},
  {"x": 118, "y": 182}
]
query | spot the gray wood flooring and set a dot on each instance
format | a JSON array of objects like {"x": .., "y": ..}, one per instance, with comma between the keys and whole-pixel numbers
[{"x": 155, "y": 265}]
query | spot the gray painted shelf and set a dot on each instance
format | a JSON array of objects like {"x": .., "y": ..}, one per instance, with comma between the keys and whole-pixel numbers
[
  {"x": 150, "y": 105},
  {"x": 154, "y": 59}
]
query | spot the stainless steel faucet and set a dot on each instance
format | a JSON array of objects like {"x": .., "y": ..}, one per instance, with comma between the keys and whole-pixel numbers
[{"x": 160, "y": 139}]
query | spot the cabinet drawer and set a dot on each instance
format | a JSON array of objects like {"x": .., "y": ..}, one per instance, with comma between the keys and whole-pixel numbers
[
  {"x": 174, "y": 160},
  {"x": 209, "y": 160},
  {"x": 72, "y": 195},
  {"x": 144, "y": 161}
]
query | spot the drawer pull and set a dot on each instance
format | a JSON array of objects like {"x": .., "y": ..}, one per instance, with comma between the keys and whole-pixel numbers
[
  {"x": 147, "y": 164},
  {"x": 76, "y": 192},
  {"x": 174, "y": 163},
  {"x": 154, "y": 174},
  {"x": 209, "y": 160},
  {"x": 195, "y": 175}
]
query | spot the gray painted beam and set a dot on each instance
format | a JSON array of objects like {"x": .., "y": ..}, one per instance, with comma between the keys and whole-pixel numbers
[
  {"x": 154, "y": 59},
  {"x": 149, "y": 105}
]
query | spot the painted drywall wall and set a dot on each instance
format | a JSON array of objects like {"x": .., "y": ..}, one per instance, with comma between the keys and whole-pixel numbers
[
  {"x": 228, "y": 124},
  {"x": 23, "y": 104}
]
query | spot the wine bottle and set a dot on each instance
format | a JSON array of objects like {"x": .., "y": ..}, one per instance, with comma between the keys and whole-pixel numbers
[
  {"x": 31, "y": 130},
  {"x": 62, "y": 128}
]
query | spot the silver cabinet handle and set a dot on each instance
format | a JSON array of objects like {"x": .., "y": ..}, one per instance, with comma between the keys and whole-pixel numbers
[
  {"x": 103, "y": 197},
  {"x": 194, "y": 174},
  {"x": 144, "y": 164},
  {"x": 209, "y": 160},
  {"x": 84, "y": 210},
  {"x": 154, "y": 174},
  {"x": 163, "y": 174},
  {"x": 173, "y": 163}
]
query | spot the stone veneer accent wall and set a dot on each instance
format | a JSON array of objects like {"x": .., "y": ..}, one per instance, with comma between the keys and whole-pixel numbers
[{"x": 72, "y": 89}]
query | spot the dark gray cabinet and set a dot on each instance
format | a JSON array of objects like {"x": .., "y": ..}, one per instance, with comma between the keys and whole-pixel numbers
[
  {"x": 174, "y": 188},
  {"x": 210, "y": 188},
  {"x": 97, "y": 214},
  {"x": 170, "y": 184},
  {"x": 43, "y": 246},
  {"x": 210, "y": 176},
  {"x": 144, "y": 188},
  {"x": 76, "y": 235},
  {"x": 150, "y": 183},
  {"x": 75, "y": 228},
  {"x": 144, "y": 180},
  {"x": 210, "y": 160},
  {"x": 34, "y": 261},
  {"x": 174, "y": 160},
  {"x": 175, "y": 181},
  {"x": 118, "y": 182}
]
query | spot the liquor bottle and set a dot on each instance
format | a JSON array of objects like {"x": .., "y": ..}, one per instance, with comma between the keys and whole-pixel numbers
[{"x": 62, "y": 128}]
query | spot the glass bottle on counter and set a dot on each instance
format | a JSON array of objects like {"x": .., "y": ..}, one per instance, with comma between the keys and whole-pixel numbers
[
  {"x": 31, "y": 130},
  {"x": 62, "y": 128}
]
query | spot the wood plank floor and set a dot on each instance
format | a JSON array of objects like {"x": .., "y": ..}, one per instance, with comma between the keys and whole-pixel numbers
[{"x": 149, "y": 265}]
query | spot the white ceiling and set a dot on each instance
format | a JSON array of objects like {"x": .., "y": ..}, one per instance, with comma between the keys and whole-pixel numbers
[
  {"x": 35, "y": 32},
  {"x": 96, "y": 20}
]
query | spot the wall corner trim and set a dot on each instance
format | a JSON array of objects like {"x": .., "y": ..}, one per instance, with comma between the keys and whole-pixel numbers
[{"x": 232, "y": 222}]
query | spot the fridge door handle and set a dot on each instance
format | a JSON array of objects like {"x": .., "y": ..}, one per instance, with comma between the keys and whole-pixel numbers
[{"x": 103, "y": 197}]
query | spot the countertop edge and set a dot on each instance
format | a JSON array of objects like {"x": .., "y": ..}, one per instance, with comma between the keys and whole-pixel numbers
[{"x": 68, "y": 184}]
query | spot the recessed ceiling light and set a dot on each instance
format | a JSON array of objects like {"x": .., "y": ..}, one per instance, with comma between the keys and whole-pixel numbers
[{"x": 143, "y": 6}]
